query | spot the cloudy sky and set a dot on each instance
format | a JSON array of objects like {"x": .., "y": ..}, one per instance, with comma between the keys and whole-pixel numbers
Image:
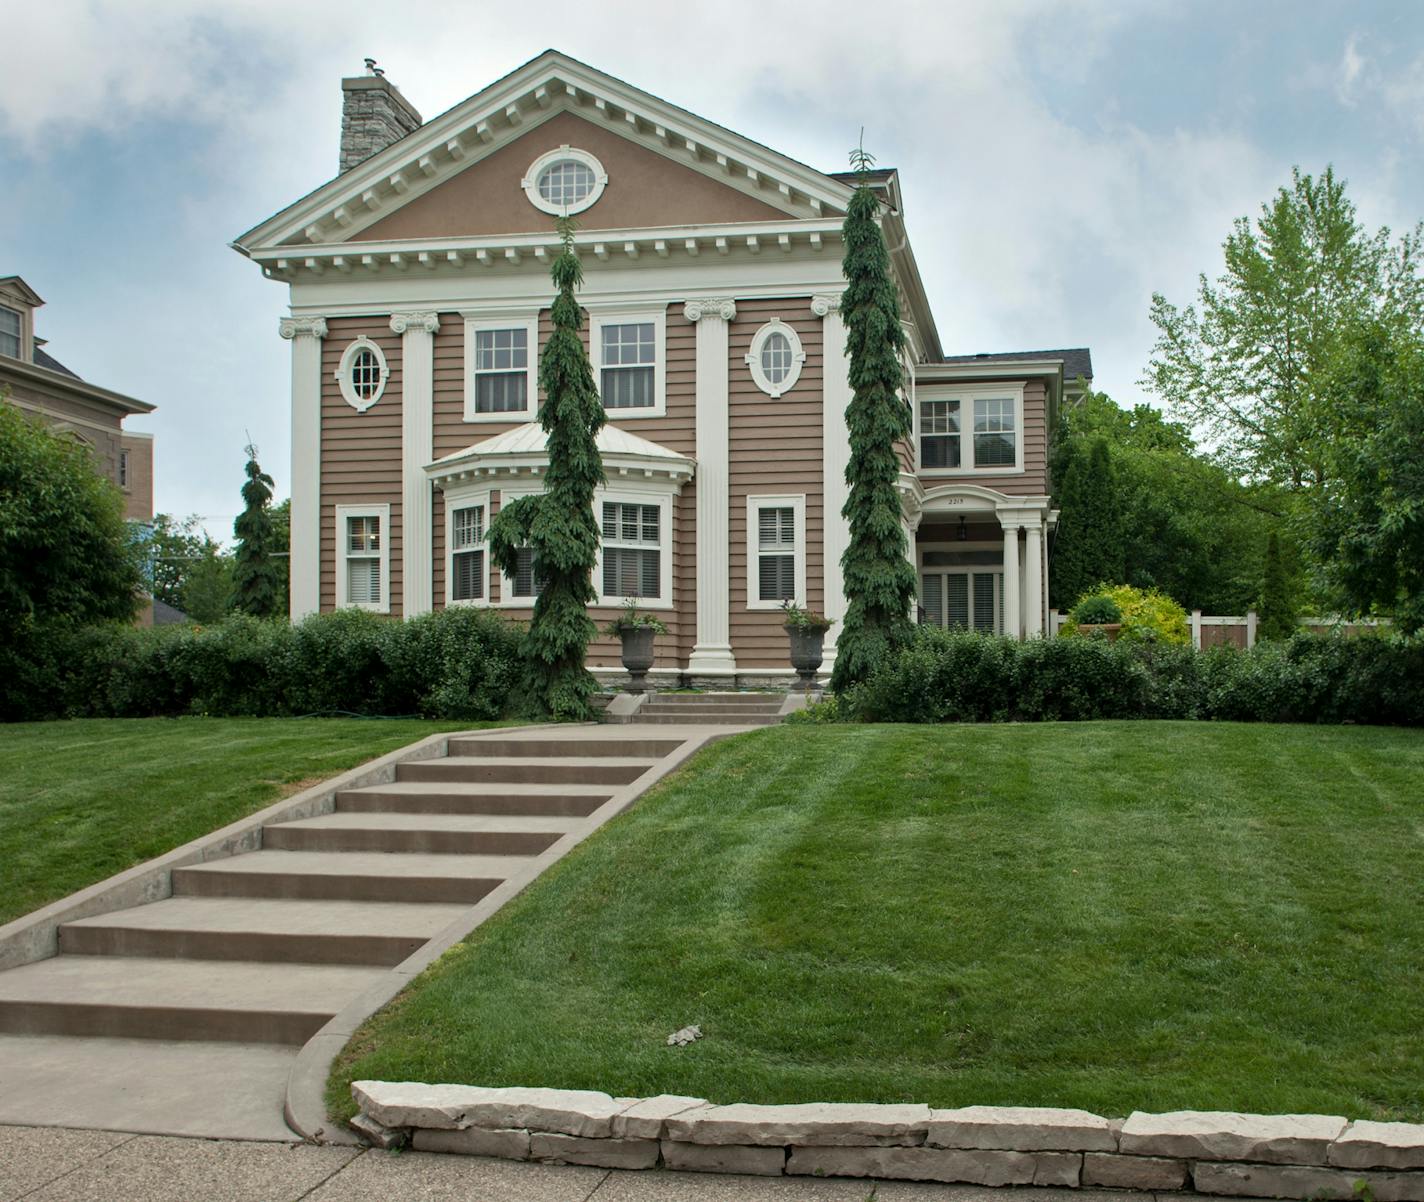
[{"x": 1060, "y": 159}]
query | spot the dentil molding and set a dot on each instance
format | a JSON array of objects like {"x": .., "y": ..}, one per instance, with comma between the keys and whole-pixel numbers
[
  {"x": 710, "y": 306},
  {"x": 291, "y": 327},
  {"x": 424, "y": 319}
]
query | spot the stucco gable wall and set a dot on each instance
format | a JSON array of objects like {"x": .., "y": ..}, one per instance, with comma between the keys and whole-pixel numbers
[{"x": 644, "y": 189}]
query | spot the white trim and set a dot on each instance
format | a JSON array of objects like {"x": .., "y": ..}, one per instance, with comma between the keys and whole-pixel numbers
[
  {"x": 509, "y": 321},
  {"x": 530, "y": 182},
  {"x": 465, "y": 498},
  {"x": 631, "y": 494},
  {"x": 796, "y": 502},
  {"x": 966, "y": 395},
  {"x": 753, "y": 358},
  {"x": 835, "y": 439},
  {"x": 417, "y": 329},
  {"x": 343, "y": 374},
  {"x": 343, "y": 512},
  {"x": 304, "y": 546},
  {"x": 598, "y": 318}
]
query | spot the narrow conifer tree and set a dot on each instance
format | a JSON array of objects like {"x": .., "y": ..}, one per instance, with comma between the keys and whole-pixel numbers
[
  {"x": 1088, "y": 547},
  {"x": 879, "y": 579},
  {"x": 558, "y": 524},
  {"x": 1276, "y": 611},
  {"x": 256, "y": 575}
]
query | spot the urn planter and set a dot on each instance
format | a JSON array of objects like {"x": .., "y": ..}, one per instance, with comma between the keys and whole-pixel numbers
[
  {"x": 807, "y": 651},
  {"x": 638, "y": 656},
  {"x": 1110, "y": 629}
]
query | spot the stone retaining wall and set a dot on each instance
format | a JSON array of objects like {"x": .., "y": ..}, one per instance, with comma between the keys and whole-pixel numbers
[{"x": 1306, "y": 1156}]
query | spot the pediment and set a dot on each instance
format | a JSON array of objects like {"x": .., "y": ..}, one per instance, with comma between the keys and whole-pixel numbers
[
  {"x": 523, "y": 451},
  {"x": 687, "y": 163}
]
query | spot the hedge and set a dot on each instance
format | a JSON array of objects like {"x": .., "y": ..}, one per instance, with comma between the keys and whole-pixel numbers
[
  {"x": 943, "y": 676},
  {"x": 460, "y": 664}
]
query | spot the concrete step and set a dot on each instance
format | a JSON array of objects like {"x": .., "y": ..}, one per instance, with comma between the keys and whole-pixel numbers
[
  {"x": 707, "y": 720},
  {"x": 457, "y": 797},
  {"x": 695, "y": 713},
  {"x": 583, "y": 748},
  {"x": 144, "y": 998},
  {"x": 348, "y": 876},
  {"x": 588, "y": 770},
  {"x": 302, "y": 932},
  {"x": 438, "y": 834},
  {"x": 771, "y": 699}
]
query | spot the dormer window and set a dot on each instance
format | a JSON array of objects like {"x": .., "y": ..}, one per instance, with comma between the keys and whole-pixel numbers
[
  {"x": 564, "y": 181},
  {"x": 11, "y": 325}
]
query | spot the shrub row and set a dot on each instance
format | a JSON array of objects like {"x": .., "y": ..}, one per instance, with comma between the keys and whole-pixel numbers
[
  {"x": 945, "y": 676},
  {"x": 460, "y": 663}
]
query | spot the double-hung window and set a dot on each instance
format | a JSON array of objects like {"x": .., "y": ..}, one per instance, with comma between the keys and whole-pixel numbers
[
  {"x": 632, "y": 550},
  {"x": 628, "y": 354},
  {"x": 526, "y": 584},
  {"x": 363, "y": 557},
  {"x": 123, "y": 469},
  {"x": 467, "y": 553},
  {"x": 11, "y": 326},
  {"x": 776, "y": 551},
  {"x": 501, "y": 355},
  {"x": 971, "y": 429}
]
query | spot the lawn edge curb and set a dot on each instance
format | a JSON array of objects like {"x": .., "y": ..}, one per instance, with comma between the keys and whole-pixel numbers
[{"x": 305, "y": 1108}]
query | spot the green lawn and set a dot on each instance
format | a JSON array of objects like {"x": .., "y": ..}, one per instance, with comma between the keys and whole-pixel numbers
[
  {"x": 1104, "y": 915},
  {"x": 80, "y": 801}
]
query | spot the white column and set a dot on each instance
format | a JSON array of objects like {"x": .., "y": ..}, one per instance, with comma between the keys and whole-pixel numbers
[
  {"x": 835, "y": 457},
  {"x": 305, "y": 335},
  {"x": 1033, "y": 583},
  {"x": 417, "y": 332},
  {"x": 1013, "y": 626},
  {"x": 713, "y": 651}
]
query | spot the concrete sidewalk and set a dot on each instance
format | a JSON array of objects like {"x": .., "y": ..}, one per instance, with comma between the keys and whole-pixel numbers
[{"x": 49, "y": 1164}]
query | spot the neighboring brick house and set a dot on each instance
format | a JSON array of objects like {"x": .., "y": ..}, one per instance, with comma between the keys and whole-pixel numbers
[
  {"x": 419, "y": 292},
  {"x": 36, "y": 382}
]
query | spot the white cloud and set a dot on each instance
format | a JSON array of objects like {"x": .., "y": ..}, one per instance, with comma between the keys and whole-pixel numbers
[{"x": 1351, "y": 68}]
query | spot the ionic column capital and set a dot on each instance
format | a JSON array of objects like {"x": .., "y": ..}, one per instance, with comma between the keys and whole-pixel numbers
[
  {"x": 826, "y": 302},
  {"x": 421, "y": 319},
  {"x": 294, "y": 327},
  {"x": 710, "y": 306}
]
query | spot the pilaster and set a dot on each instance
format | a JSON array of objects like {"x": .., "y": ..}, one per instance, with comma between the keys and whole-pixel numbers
[
  {"x": 417, "y": 330},
  {"x": 835, "y": 458},
  {"x": 1013, "y": 624},
  {"x": 305, "y": 335},
  {"x": 712, "y": 654}
]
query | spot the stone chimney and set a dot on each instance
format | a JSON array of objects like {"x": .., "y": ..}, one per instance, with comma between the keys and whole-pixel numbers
[{"x": 373, "y": 115}]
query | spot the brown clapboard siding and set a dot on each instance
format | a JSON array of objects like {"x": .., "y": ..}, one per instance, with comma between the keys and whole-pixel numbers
[
  {"x": 775, "y": 448},
  {"x": 360, "y": 452}
]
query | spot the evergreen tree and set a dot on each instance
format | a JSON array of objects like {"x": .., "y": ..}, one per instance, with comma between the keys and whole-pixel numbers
[
  {"x": 256, "y": 580},
  {"x": 558, "y": 523},
  {"x": 1275, "y": 613},
  {"x": 1088, "y": 548},
  {"x": 879, "y": 579}
]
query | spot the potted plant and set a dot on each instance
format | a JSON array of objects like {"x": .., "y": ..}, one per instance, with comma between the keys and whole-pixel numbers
[
  {"x": 1098, "y": 614},
  {"x": 637, "y": 631},
  {"x": 807, "y": 632}
]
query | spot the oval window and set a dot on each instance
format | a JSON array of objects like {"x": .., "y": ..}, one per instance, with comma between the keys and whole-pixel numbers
[
  {"x": 365, "y": 374},
  {"x": 362, "y": 374},
  {"x": 776, "y": 358},
  {"x": 564, "y": 181}
]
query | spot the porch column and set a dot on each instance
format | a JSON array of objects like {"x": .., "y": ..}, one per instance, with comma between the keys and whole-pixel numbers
[
  {"x": 1013, "y": 625},
  {"x": 417, "y": 332},
  {"x": 835, "y": 458},
  {"x": 304, "y": 564},
  {"x": 713, "y": 650},
  {"x": 1033, "y": 583}
]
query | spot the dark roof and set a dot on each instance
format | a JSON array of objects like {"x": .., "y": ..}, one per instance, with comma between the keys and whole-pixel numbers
[
  {"x": 876, "y": 176},
  {"x": 1077, "y": 360},
  {"x": 45, "y": 360},
  {"x": 166, "y": 615}
]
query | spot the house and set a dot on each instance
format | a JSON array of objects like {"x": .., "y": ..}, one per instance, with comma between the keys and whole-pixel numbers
[
  {"x": 36, "y": 382},
  {"x": 419, "y": 291}
]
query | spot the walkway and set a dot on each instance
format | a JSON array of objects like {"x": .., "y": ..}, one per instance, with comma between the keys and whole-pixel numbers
[{"x": 49, "y": 1165}]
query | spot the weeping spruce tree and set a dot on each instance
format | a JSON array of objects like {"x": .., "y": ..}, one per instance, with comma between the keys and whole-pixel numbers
[
  {"x": 879, "y": 581},
  {"x": 558, "y": 524},
  {"x": 256, "y": 575}
]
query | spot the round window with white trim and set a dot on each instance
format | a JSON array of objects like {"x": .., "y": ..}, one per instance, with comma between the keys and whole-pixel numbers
[
  {"x": 362, "y": 374},
  {"x": 775, "y": 358},
  {"x": 564, "y": 181}
]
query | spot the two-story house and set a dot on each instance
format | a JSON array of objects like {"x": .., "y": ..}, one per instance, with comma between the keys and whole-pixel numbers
[{"x": 419, "y": 293}]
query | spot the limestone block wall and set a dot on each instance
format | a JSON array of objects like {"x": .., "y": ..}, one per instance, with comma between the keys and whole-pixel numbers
[{"x": 1294, "y": 1156}]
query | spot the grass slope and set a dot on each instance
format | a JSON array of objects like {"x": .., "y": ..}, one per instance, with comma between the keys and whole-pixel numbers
[
  {"x": 1104, "y": 915},
  {"x": 80, "y": 801}
]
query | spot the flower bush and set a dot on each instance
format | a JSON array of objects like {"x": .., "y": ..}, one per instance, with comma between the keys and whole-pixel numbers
[{"x": 1148, "y": 616}]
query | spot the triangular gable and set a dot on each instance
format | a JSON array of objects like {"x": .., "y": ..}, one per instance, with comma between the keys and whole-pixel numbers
[
  {"x": 645, "y": 189},
  {"x": 539, "y": 91}
]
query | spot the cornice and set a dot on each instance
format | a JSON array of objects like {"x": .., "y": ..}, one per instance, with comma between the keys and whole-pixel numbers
[
  {"x": 721, "y": 307},
  {"x": 58, "y": 382},
  {"x": 307, "y": 327},
  {"x": 423, "y": 319}
]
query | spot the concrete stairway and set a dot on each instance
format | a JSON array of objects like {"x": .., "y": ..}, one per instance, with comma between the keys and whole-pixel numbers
[
  {"x": 254, "y": 953},
  {"x": 739, "y": 709}
]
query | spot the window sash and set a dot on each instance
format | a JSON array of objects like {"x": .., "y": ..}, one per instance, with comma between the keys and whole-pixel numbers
[
  {"x": 632, "y": 572},
  {"x": 363, "y": 535},
  {"x": 123, "y": 469},
  {"x": 11, "y": 328},
  {"x": 502, "y": 370},
  {"x": 363, "y": 580},
  {"x": 467, "y": 575},
  {"x": 628, "y": 388},
  {"x": 526, "y": 581},
  {"x": 628, "y": 365},
  {"x": 365, "y": 374},
  {"x": 963, "y": 599},
  {"x": 995, "y": 438},
  {"x": 626, "y": 522}
]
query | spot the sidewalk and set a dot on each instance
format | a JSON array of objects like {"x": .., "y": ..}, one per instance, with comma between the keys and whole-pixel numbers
[{"x": 50, "y": 1164}]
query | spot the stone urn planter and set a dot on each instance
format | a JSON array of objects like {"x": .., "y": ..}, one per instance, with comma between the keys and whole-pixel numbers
[
  {"x": 636, "y": 631},
  {"x": 806, "y": 632},
  {"x": 1110, "y": 629}
]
